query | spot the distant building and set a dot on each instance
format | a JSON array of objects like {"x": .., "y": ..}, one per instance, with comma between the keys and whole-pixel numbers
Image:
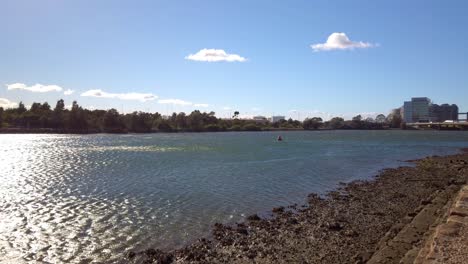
[
  {"x": 421, "y": 109},
  {"x": 260, "y": 119},
  {"x": 274, "y": 119},
  {"x": 407, "y": 113},
  {"x": 441, "y": 113}
]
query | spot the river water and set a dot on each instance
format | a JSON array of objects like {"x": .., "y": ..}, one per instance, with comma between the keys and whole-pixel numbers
[{"x": 76, "y": 198}]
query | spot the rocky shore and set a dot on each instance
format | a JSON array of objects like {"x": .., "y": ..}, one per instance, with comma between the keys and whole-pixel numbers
[{"x": 385, "y": 220}]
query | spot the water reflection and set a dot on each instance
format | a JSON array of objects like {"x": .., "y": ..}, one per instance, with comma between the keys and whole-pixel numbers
[{"x": 67, "y": 198}]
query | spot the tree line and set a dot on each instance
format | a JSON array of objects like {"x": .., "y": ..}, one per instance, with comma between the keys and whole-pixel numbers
[{"x": 42, "y": 117}]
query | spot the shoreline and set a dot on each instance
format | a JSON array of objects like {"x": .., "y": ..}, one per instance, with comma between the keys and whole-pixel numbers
[
  {"x": 8, "y": 131},
  {"x": 92, "y": 132},
  {"x": 352, "y": 224}
]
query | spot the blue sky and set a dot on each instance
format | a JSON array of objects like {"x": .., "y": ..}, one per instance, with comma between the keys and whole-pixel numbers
[{"x": 396, "y": 50}]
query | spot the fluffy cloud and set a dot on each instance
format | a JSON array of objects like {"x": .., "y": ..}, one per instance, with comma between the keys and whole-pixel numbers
[
  {"x": 201, "y": 105},
  {"x": 339, "y": 41},
  {"x": 214, "y": 55},
  {"x": 143, "y": 97},
  {"x": 37, "y": 88},
  {"x": 5, "y": 103},
  {"x": 68, "y": 92},
  {"x": 174, "y": 102}
]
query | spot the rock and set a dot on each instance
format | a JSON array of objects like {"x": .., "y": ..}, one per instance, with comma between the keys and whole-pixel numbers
[
  {"x": 334, "y": 226},
  {"x": 159, "y": 256},
  {"x": 426, "y": 201},
  {"x": 253, "y": 217},
  {"x": 278, "y": 209},
  {"x": 131, "y": 255},
  {"x": 351, "y": 233}
]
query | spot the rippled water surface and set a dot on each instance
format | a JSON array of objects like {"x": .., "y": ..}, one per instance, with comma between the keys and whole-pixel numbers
[{"x": 69, "y": 198}]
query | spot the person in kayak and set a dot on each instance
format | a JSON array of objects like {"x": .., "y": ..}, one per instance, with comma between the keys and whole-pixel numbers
[{"x": 279, "y": 138}]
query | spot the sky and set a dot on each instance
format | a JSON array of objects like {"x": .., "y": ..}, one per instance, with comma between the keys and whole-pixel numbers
[{"x": 294, "y": 58}]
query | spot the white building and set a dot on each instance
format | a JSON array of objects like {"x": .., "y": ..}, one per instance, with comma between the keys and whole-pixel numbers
[
  {"x": 274, "y": 119},
  {"x": 417, "y": 110}
]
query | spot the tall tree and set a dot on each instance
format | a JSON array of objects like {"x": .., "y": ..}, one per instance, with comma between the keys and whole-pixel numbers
[
  {"x": 57, "y": 120},
  {"x": 394, "y": 118},
  {"x": 60, "y": 106},
  {"x": 1, "y": 116},
  {"x": 77, "y": 118},
  {"x": 21, "y": 108}
]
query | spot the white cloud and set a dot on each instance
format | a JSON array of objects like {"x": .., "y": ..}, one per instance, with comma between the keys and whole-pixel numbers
[
  {"x": 339, "y": 41},
  {"x": 227, "y": 108},
  {"x": 5, "y": 103},
  {"x": 214, "y": 55},
  {"x": 68, "y": 92},
  {"x": 143, "y": 97},
  {"x": 37, "y": 88},
  {"x": 174, "y": 102},
  {"x": 201, "y": 105}
]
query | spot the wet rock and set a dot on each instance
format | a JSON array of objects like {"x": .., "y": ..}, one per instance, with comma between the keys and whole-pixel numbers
[
  {"x": 158, "y": 256},
  {"x": 242, "y": 231},
  {"x": 334, "y": 226},
  {"x": 426, "y": 201},
  {"x": 351, "y": 233},
  {"x": 362, "y": 257},
  {"x": 253, "y": 217},
  {"x": 278, "y": 209},
  {"x": 131, "y": 255}
]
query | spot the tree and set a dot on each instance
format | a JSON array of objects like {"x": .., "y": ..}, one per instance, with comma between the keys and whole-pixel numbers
[
  {"x": 236, "y": 114},
  {"x": 35, "y": 107},
  {"x": 357, "y": 118},
  {"x": 60, "y": 106},
  {"x": 312, "y": 123},
  {"x": 77, "y": 118},
  {"x": 45, "y": 107},
  {"x": 112, "y": 121},
  {"x": 356, "y": 122},
  {"x": 181, "y": 121},
  {"x": 380, "y": 118},
  {"x": 21, "y": 108},
  {"x": 1, "y": 116},
  {"x": 57, "y": 119},
  {"x": 394, "y": 118},
  {"x": 195, "y": 121},
  {"x": 140, "y": 122},
  {"x": 337, "y": 123}
]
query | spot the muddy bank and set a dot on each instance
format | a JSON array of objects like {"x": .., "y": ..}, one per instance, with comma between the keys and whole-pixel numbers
[{"x": 353, "y": 224}]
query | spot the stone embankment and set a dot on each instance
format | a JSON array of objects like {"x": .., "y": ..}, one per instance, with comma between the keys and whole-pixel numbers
[{"x": 449, "y": 242}]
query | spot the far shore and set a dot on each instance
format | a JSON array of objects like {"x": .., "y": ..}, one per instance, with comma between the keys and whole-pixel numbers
[
  {"x": 384, "y": 220},
  {"x": 83, "y": 132}
]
